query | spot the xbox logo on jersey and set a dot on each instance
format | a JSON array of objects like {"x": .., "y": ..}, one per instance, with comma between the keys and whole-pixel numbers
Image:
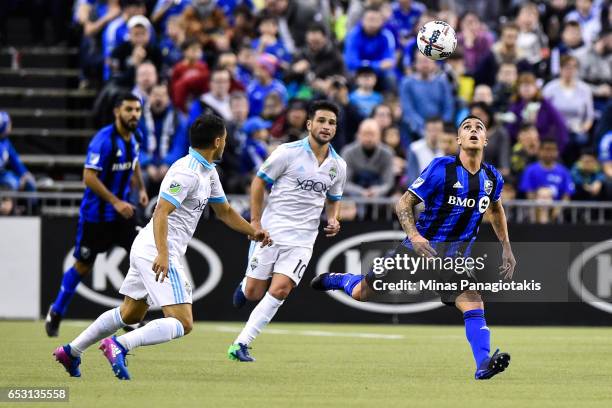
[
  {"x": 112, "y": 267},
  {"x": 346, "y": 256},
  {"x": 590, "y": 276}
]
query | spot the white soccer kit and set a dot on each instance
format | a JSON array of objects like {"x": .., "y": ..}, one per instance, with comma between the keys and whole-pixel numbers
[
  {"x": 300, "y": 187},
  {"x": 190, "y": 183}
]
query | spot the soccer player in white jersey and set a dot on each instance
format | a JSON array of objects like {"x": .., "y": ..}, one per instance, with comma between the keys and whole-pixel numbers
[
  {"x": 156, "y": 275},
  {"x": 305, "y": 175}
]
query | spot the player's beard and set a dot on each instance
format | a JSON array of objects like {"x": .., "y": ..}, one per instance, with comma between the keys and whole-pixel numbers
[
  {"x": 320, "y": 141},
  {"x": 130, "y": 125}
]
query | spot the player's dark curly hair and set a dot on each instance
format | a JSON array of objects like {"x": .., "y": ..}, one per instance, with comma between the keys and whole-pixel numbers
[
  {"x": 322, "y": 104},
  {"x": 205, "y": 129}
]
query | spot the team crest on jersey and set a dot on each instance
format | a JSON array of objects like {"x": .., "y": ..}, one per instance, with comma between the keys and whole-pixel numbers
[
  {"x": 333, "y": 172},
  {"x": 417, "y": 183},
  {"x": 175, "y": 188},
  {"x": 94, "y": 158},
  {"x": 488, "y": 186},
  {"x": 85, "y": 252},
  {"x": 254, "y": 263}
]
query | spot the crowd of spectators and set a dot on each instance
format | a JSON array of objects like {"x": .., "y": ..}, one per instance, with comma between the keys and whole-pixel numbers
[{"x": 538, "y": 73}]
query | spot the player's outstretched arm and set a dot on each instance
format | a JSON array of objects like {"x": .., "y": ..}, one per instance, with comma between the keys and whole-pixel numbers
[
  {"x": 405, "y": 213},
  {"x": 232, "y": 219},
  {"x": 91, "y": 179},
  {"x": 160, "y": 231},
  {"x": 497, "y": 216}
]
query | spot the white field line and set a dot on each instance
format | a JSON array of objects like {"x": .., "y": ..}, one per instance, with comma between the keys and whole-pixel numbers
[{"x": 315, "y": 333}]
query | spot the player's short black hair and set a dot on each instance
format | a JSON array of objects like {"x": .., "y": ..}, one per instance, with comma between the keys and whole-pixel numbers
[
  {"x": 205, "y": 129},
  {"x": 469, "y": 117},
  {"x": 322, "y": 104},
  {"x": 125, "y": 96}
]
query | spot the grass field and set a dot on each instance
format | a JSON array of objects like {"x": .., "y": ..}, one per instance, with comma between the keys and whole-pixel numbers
[{"x": 305, "y": 365}]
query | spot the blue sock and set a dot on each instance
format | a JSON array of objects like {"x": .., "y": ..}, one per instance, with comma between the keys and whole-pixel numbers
[
  {"x": 69, "y": 283},
  {"x": 349, "y": 282},
  {"x": 478, "y": 334}
]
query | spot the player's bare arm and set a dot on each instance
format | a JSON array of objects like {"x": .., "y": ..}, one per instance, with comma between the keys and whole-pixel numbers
[
  {"x": 258, "y": 189},
  {"x": 332, "y": 211},
  {"x": 160, "y": 231},
  {"x": 497, "y": 215},
  {"x": 143, "y": 197},
  {"x": 232, "y": 219},
  {"x": 91, "y": 179},
  {"x": 405, "y": 213}
]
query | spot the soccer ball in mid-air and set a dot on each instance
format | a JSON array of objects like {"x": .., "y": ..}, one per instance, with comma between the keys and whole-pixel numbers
[{"x": 437, "y": 40}]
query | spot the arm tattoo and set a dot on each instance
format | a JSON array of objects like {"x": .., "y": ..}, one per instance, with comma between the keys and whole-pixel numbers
[{"x": 405, "y": 212}]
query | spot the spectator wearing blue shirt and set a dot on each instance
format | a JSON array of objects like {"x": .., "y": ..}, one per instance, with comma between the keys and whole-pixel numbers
[
  {"x": 587, "y": 176},
  {"x": 264, "y": 84},
  {"x": 164, "y": 139},
  {"x": 424, "y": 94},
  {"x": 547, "y": 174},
  {"x": 369, "y": 43},
  {"x": 404, "y": 16},
  {"x": 255, "y": 150},
  {"x": 246, "y": 64},
  {"x": 164, "y": 9},
  {"x": 171, "y": 43},
  {"x": 229, "y": 7},
  {"x": 364, "y": 97},
  {"x": 268, "y": 41},
  {"x": 605, "y": 158},
  {"x": 13, "y": 173}
]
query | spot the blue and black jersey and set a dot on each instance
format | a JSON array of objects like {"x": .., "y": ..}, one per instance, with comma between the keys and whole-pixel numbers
[
  {"x": 114, "y": 159},
  {"x": 455, "y": 200}
]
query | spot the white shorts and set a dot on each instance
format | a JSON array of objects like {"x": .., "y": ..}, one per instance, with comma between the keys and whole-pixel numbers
[
  {"x": 140, "y": 284},
  {"x": 287, "y": 260}
]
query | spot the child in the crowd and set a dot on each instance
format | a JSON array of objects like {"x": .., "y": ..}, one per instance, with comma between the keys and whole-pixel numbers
[
  {"x": 365, "y": 98},
  {"x": 587, "y": 176}
]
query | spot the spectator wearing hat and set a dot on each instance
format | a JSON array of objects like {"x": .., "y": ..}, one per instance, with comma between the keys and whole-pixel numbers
[
  {"x": 364, "y": 97},
  {"x": 127, "y": 56},
  {"x": 264, "y": 84},
  {"x": 255, "y": 150},
  {"x": 117, "y": 31},
  {"x": 190, "y": 76},
  {"x": 13, "y": 174}
]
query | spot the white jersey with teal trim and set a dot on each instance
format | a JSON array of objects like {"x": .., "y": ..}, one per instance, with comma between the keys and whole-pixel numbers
[
  {"x": 299, "y": 189},
  {"x": 189, "y": 184}
]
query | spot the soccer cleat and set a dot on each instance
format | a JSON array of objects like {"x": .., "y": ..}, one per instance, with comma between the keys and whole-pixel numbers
[
  {"x": 239, "y": 299},
  {"x": 327, "y": 281},
  {"x": 239, "y": 352},
  {"x": 115, "y": 353},
  {"x": 496, "y": 364},
  {"x": 52, "y": 322},
  {"x": 70, "y": 363}
]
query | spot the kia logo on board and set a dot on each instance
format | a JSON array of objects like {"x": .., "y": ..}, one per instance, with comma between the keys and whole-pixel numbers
[
  {"x": 348, "y": 254},
  {"x": 590, "y": 276},
  {"x": 107, "y": 269}
]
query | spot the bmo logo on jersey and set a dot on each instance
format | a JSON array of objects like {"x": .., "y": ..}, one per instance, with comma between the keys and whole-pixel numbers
[
  {"x": 483, "y": 203},
  {"x": 461, "y": 202},
  {"x": 312, "y": 185}
]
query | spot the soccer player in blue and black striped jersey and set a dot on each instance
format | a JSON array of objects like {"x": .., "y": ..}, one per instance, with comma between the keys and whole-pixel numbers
[
  {"x": 456, "y": 191},
  {"x": 106, "y": 216}
]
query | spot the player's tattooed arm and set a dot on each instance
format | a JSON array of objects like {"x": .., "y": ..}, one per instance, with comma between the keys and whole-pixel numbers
[
  {"x": 405, "y": 213},
  {"x": 497, "y": 216}
]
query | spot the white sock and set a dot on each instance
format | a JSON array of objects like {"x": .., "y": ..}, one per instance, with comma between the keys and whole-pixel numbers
[
  {"x": 154, "y": 332},
  {"x": 105, "y": 325},
  {"x": 259, "y": 318}
]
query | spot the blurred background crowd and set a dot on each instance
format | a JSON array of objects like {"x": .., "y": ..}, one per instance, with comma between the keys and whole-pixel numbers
[{"x": 538, "y": 73}]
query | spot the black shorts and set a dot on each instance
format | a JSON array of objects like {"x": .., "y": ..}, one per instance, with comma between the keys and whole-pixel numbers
[
  {"x": 97, "y": 237},
  {"x": 443, "y": 276}
]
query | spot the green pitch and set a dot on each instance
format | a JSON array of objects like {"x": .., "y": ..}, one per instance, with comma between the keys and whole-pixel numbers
[{"x": 307, "y": 365}]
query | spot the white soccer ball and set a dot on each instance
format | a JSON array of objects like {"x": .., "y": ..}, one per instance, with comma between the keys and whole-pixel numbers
[{"x": 437, "y": 40}]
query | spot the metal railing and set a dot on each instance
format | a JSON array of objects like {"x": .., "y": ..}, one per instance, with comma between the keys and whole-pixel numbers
[{"x": 360, "y": 208}]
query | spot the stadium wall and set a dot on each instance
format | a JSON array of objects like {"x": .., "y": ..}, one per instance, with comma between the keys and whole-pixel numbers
[{"x": 216, "y": 261}]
